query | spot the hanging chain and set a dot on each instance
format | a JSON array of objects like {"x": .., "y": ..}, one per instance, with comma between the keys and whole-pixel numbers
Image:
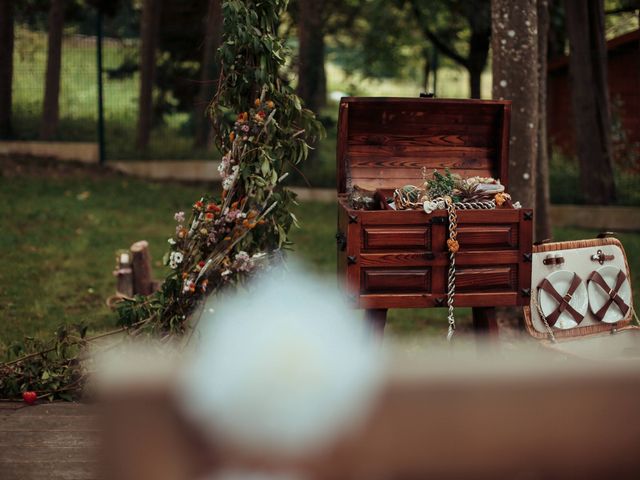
[
  {"x": 403, "y": 201},
  {"x": 451, "y": 282}
]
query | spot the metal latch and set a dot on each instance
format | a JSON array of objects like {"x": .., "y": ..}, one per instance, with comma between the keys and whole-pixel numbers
[{"x": 601, "y": 257}]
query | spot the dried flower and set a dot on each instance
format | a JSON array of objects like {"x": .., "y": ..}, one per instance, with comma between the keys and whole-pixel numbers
[
  {"x": 500, "y": 198},
  {"x": 171, "y": 241},
  {"x": 179, "y": 217},
  {"x": 232, "y": 136},
  {"x": 257, "y": 102},
  {"x": 181, "y": 232},
  {"x": 175, "y": 259},
  {"x": 208, "y": 216},
  {"x": 270, "y": 104},
  {"x": 198, "y": 205}
]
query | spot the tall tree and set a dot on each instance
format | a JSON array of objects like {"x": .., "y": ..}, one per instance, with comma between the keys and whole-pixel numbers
[
  {"x": 590, "y": 99},
  {"x": 6, "y": 66},
  {"x": 311, "y": 57},
  {"x": 209, "y": 73},
  {"x": 149, "y": 37},
  {"x": 543, "y": 216},
  {"x": 515, "y": 77},
  {"x": 51, "y": 103},
  {"x": 441, "y": 23}
]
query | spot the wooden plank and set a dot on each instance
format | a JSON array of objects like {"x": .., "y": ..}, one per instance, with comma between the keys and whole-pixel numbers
[
  {"x": 51, "y": 469},
  {"x": 383, "y": 280},
  {"x": 66, "y": 423},
  {"x": 483, "y": 279},
  {"x": 434, "y": 139},
  {"x": 359, "y": 153},
  {"x": 38, "y": 437},
  {"x": 403, "y": 259}
]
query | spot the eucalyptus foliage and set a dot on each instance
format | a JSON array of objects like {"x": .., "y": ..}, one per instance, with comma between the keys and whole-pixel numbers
[{"x": 262, "y": 130}]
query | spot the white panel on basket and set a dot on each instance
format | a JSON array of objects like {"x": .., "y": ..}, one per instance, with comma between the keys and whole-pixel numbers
[{"x": 576, "y": 260}]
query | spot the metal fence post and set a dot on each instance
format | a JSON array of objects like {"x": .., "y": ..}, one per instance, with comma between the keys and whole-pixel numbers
[{"x": 101, "y": 152}]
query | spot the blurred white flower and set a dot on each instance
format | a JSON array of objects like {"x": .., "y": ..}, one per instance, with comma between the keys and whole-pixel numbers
[{"x": 285, "y": 367}]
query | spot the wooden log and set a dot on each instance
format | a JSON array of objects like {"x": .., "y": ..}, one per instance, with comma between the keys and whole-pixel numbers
[
  {"x": 141, "y": 266},
  {"x": 124, "y": 274}
]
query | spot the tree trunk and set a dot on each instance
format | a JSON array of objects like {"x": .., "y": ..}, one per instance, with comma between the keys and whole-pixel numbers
[
  {"x": 6, "y": 66},
  {"x": 148, "y": 40},
  {"x": 209, "y": 75},
  {"x": 50, "y": 108},
  {"x": 543, "y": 215},
  {"x": 590, "y": 99},
  {"x": 477, "y": 61},
  {"x": 311, "y": 74},
  {"x": 515, "y": 77}
]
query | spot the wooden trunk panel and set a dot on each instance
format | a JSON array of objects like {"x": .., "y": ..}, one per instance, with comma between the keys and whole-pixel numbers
[
  {"x": 408, "y": 280},
  {"x": 499, "y": 236},
  {"x": 389, "y": 237},
  {"x": 487, "y": 279},
  {"x": 386, "y": 142}
]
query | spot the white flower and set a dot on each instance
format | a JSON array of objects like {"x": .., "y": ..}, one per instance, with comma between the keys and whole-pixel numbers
[
  {"x": 430, "y": 206},
  {"x": 286, "y": 367},
  {"x": 171, "y": 241},
  {"x": 175, "y": 259}
]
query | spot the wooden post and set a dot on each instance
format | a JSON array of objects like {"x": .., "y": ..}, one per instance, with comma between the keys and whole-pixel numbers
[
  {"x": 124, "y": 274},
  {"x": 377, "y": 319},
  {"x": 484, "y": 320},
  {"x": 141, "y": 266}
]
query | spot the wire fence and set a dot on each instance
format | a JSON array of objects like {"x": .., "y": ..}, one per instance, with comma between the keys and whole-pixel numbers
[{"x": 172, "y": 135}]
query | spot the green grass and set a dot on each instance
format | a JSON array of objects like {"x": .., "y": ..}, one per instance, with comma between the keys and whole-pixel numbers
[{"x": 60, "y": 234}]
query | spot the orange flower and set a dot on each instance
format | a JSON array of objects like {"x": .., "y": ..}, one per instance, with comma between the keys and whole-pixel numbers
[
  {"x": 500, "y": 198},
  {"x": 251, "y": 214},
  {"x": 270, "y": 104},
  {"x": 232, "y": 136},
  {"x": 242, "y": 117},
  {"x": 182, "y": 233},
  {"x": 261, "y": 222},
  {"x": 453, "y": 245},
  {"x": 257, "y": 102}
]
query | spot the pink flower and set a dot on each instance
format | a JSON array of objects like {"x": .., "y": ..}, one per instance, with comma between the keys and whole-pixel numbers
[{"x": 179, "y": 216}]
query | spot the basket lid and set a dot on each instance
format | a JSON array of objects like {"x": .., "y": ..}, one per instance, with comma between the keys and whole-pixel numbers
[
  {"x": 386, "y": 142},
  {"x": 581, "y": 258}
]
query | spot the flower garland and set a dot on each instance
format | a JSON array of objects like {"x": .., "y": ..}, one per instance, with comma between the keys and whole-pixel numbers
[{"x": 225, "y": 238}]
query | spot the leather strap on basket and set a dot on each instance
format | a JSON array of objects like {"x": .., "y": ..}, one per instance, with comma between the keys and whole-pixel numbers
[
  {"x": 612, "y": 292},
  {"x": 563, "y": 301}
]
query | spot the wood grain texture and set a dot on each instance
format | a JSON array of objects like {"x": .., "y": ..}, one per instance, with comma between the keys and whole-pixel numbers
[
  {"x": 48, "y": 441},
  {"x": 376, "y": 280},
  {"x": 407, "y": 134}
]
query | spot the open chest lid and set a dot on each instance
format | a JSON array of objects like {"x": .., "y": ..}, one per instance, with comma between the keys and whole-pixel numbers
[
  {"x": 588, "y": 282},
  {"x": 384, "y": 143}
]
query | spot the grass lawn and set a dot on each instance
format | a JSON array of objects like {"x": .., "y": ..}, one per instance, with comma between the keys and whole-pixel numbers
[{"x": 60, "y": 233}]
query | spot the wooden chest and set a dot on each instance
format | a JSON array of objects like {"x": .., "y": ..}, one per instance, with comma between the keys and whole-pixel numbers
[{"x": 399, "y": 259}]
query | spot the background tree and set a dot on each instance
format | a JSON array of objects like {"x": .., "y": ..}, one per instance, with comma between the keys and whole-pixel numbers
[
  {"x": 148, "y": 41},
  {"x": 312, "y": 82},
  {"x": 209, "y": 71},
  {"x": 6, "y": 65},
  {"x": 515, "y": 77},
  {"x": 543, "y": 214},
  {"x": 590, "y": 99},
  {"x": 51, "y": 103},
  {"x": 443, "y": 22}
]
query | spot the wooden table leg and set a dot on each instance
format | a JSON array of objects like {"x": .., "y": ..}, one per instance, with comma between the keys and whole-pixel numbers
[
  {"x": 484, "y": 321},
  {"x": 377, "y": 318}
]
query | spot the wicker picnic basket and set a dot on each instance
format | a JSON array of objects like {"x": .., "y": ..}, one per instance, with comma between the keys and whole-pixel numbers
[{"x": 581, "y": 299}]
